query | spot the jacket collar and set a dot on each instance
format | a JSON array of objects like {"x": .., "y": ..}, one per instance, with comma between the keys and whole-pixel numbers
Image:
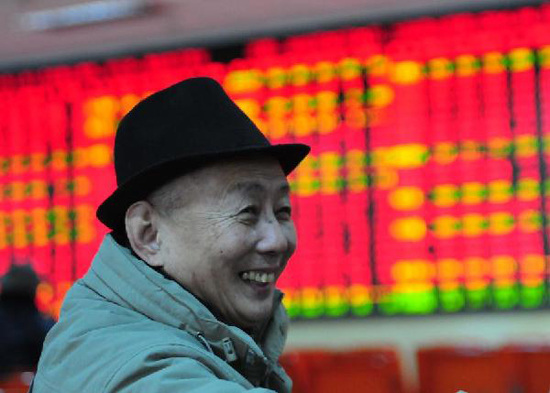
[{"x": 123, "y": 279}]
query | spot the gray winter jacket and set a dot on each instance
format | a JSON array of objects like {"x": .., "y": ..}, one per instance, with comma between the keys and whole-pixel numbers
[{"x": 126, "y": 328}]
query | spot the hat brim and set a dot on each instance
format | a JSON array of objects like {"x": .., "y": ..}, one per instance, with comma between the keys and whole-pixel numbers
[{"x": 112, "y": 211}]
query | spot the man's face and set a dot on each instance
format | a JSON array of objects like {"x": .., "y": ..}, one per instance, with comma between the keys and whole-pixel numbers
[{"x": 231, "y": 237}]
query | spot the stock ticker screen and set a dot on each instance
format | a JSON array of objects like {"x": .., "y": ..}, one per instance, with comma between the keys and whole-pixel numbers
[{"x": 426, "y": 191}]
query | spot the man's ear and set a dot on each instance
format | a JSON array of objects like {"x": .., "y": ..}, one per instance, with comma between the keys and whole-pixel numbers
[{"x": 142, "y": 231}]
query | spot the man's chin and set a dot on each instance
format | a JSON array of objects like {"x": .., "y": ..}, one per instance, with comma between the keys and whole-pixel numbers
[{"x": 255, "y": 317}]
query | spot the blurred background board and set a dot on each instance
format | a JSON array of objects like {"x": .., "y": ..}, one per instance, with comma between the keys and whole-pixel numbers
[{"x": 426, "y": 190}]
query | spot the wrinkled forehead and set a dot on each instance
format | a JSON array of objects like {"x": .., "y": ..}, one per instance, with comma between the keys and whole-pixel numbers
[
  {"x": 258, "y": 187},
  {"x": 246, "y": 175}
]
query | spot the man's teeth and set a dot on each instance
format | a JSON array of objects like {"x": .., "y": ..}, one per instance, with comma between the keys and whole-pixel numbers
[{"x": 258, "y": 277}]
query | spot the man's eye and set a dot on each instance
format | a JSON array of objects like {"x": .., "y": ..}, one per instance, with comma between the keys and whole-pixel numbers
[
  {"x": 284, "y": 212},
  {"x": 253, "y": 210}
]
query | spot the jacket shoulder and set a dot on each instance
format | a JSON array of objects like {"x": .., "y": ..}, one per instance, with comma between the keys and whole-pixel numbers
[{"x": 97, "y": 341}]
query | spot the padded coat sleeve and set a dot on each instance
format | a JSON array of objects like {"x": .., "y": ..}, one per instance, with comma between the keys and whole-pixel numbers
[{"x": 162, "y": 370}]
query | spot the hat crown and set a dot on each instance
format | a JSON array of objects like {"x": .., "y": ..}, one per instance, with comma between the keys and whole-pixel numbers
[{"x": 190, "y": 119}]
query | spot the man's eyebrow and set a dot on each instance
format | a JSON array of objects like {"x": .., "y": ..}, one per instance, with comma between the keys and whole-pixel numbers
[{"x": 256, "y": 187}]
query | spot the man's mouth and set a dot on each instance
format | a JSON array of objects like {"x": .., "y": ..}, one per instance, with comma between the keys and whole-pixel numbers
[{"x": 257, "y": 277}]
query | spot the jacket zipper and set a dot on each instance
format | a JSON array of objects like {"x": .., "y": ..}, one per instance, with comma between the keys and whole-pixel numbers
[{"x": 203, "y": 341}]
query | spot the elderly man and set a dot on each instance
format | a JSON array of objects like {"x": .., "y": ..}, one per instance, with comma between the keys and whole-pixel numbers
[{"x": 181, "y": 295}]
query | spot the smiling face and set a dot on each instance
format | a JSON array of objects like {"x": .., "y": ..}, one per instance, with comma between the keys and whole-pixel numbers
[{"x": 229, "y": 237}]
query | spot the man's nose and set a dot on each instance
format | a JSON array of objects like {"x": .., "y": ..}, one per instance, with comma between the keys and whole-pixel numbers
[{"x": 272, "y": 238}]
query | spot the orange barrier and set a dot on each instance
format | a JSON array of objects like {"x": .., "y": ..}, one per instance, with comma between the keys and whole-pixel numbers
[
  {"x": 18, "y": 382},
  {"x": 365, "y": 370},
  {"x": 534, "y": 366},
  {"x": 472, "y": 369}
]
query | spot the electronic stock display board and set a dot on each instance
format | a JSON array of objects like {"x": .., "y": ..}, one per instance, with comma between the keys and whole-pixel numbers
[{"x": 427, "y": 189}]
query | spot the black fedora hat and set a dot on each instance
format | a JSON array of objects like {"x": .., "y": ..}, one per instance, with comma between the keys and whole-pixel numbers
[{"x": 176, "y": 130}]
